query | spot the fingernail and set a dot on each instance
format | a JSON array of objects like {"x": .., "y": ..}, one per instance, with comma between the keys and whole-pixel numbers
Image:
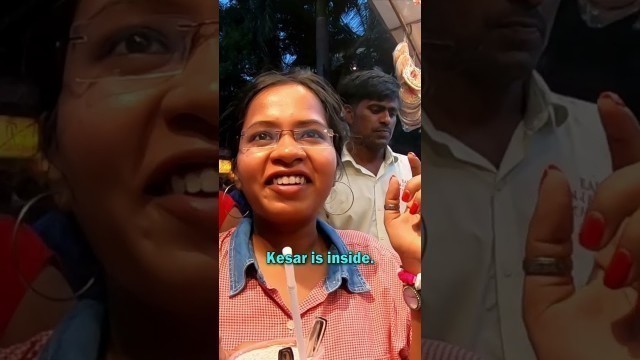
[
  {"x": 613, "y": 97},
  {"x": 414, "y": 155},
  {"x": 414, "y": 208},
  {"x": 592, "y": 230},
  {"x": 617, "y": 273},
  {"x": 406, "y": 196}
]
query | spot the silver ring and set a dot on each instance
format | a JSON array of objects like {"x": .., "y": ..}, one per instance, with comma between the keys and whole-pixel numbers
[
  {"x": 547, "y": 266},
  {"x": 391, "y": 207}
]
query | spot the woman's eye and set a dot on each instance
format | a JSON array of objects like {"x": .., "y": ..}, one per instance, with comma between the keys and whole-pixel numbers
[
  {"x": 261, "y": 136},
  {"x": 140, "y": 43},
  {"x": 312, "y": 134}
]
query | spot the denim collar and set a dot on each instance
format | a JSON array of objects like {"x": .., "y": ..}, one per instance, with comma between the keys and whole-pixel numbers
[
  {"x": 242, "y": 257},
  {"x": 79, "y": 336}
]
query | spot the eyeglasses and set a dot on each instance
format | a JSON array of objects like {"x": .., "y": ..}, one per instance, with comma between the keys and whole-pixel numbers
[
  {"x": 260, "y": 138},
  {"x": 132, "y": 50}
]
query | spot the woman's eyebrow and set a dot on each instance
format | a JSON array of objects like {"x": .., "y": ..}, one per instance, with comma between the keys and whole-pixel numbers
[
  {"x": 108, "y": 5},
  {"x": 303, "y": 122},
  {"x": 113, "y": 3}
]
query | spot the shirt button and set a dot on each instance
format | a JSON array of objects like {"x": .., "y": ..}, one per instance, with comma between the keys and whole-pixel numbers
[
  {"x": 508, "y": 273},
  {"x": 290, "y": 324}
]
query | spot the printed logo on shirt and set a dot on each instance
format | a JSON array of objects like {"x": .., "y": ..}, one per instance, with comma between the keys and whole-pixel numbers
[{"x": 582, "y": 194}]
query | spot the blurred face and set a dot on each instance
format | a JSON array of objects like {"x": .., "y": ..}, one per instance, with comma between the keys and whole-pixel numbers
[
  {"x": 372, "y": 122},
  {"x": 290, "y": 181},
  {"x": 493, "y": 37},
  {"x": 137, "y": 133}
]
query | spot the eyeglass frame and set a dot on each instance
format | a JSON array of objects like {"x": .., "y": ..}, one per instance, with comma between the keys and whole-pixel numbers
[
  {"x": 279, "y": 133},
  {"x": 195, "y": 26}
]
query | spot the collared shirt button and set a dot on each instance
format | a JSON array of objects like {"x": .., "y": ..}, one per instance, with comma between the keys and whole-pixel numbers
[{"x": 290, "y": 325}]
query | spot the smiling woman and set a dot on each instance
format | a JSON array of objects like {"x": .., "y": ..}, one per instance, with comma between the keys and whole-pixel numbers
[
  {"x": 129, "y": 96},
  {"x": 287, "y": 146}
]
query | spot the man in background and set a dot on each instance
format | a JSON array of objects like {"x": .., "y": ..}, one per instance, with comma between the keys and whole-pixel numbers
[
  {"x": 372, "y": 102},
  {"x": 493, "y": 127}
]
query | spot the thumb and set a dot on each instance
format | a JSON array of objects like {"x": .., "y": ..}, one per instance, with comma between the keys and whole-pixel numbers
[
  {"x": 622, "y": 130},
  {"x": 549, "y": 236},
  {"x": 415, "y": 164},
  {"x": 392, "y": 198}
]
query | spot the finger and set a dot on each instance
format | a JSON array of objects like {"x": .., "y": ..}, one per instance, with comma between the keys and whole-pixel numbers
[
  {"x": 414, "y": 208},
  {"x": 222, "y": 354},
  {"x": 244, "y": 346},
  {"x": 621, "y": 269},
  {"x": 412, "y": 186},
  {"x": 603, "y": 256},
  {"x": 415, "y": 164},
  {"x": 549, "y": 236},
  {"x": 622, "y": 130},
  {"x": 392, "y": 198},
  {"x": 615, "y": 199}
]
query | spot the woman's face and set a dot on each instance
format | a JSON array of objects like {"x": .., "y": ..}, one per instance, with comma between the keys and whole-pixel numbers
[
  {"x": 271, "y": 179},
  {"x": 138, "y": 144}
]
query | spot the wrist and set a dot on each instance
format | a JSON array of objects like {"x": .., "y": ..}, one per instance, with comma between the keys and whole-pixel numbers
[{"x": 412, "y": 266}]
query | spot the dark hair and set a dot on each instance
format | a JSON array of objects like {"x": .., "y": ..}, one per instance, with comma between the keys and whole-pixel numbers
[
  {"x": 319, "y": 86},
  {"x": 368, "y": 85}
]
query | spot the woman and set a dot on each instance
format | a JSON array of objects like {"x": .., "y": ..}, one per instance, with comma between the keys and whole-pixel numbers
[
  {"x": 132, "y": 117},
  {"x": 289, "y": 137}
]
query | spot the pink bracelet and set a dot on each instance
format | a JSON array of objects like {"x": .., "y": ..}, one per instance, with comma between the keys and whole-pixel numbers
[{"x": 406, "y": 277}]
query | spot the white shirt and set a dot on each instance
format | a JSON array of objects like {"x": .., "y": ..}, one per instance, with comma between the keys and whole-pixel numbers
[
  {"x": 478, "y": 217},
  {"x": 369, "y": 190}
]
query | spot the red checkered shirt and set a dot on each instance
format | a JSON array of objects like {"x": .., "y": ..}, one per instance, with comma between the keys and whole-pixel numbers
[
  {"x": 372, "y": 325},
  {"x": 28, "y": 350}
]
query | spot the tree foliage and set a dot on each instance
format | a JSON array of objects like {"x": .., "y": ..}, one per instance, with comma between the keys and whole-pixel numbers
[{"x": 262, "y": 35}]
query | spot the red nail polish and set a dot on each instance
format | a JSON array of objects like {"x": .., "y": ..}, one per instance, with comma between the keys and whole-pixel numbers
[
  {"x": 617, "y": 273},
  {"x": 406, "y": 196},
  {"x": 592, "y": 231},
  {"x": 414, "y": 208},
  {"x": 614, "y": 97}
]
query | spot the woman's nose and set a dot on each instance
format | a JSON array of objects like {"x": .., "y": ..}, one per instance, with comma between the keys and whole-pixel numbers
[
  {"x": 196, "y": 91},
  {"x": 287, "y": 148}
]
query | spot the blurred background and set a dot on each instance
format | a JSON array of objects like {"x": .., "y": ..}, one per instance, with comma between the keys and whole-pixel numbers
[
  {"x": 583, "y": 61},
  {"x": 334, "y": 38}
]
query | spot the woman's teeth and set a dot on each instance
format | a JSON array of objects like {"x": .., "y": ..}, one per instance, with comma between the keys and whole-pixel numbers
[
  {"x": 205, "y": 181},
  {"x": 290, "y": 180}
]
